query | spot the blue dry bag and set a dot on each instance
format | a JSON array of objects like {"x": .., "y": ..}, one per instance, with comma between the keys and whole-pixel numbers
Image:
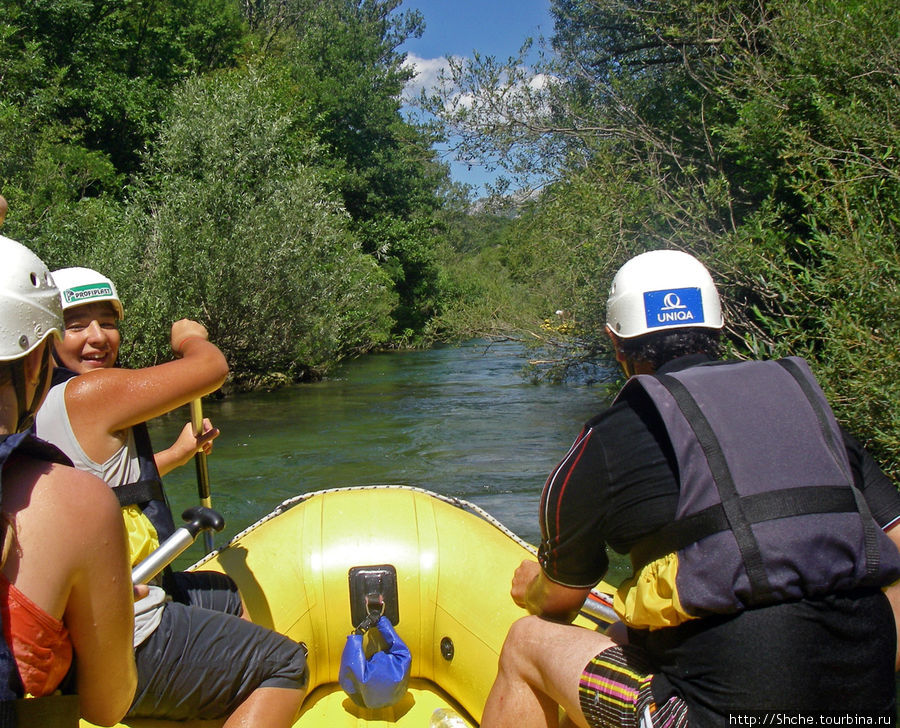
[{"x": 379, "y": 680}]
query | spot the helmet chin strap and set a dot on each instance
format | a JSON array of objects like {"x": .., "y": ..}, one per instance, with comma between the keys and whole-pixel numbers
[
  {"x": 17, "y": 375},
  {"x": 27, "y": 409}
]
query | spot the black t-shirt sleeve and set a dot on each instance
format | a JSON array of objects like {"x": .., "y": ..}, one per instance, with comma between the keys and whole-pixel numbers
[
  {"x": 616, "y": 484},
  {"x": 880, "y": 492},
  {"x": 572, "y": 550}
]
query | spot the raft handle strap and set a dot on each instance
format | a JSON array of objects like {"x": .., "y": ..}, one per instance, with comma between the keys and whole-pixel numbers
[{"x": 375, "y": 606}]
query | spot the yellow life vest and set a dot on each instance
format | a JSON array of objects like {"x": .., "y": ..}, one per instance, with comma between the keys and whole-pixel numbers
[{"x": 142, "y": 536}]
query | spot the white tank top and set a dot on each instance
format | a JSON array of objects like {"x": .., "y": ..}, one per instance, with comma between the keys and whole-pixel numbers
[{"x": 52, "y": 424}]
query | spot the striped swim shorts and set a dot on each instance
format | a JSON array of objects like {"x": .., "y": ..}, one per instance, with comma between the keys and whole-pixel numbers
[{"x": 615, "y": 692}]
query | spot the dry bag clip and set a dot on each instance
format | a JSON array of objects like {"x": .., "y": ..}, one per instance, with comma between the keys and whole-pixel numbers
[
  {"x": 378, "y": 676},
  {"x": 374, "y": 609}
]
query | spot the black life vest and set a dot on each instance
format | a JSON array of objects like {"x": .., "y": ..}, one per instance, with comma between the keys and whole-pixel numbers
[
  {"x": 767, "y": 509},
  {"x": 52, "y": 710},
  {"x": 148, "y": 492}
]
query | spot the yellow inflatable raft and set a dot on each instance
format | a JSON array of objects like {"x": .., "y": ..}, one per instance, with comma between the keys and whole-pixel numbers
[{"x": 298, "y": 567}]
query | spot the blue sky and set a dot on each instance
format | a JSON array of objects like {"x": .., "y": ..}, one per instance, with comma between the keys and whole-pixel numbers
[
  {"x": 459, "y": 27},
  {"x": 494, "y": 27}
]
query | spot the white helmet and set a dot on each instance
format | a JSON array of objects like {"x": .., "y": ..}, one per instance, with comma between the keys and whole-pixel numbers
[
  {"x": 662, "y": 289},
  {"x": 29, "y": 301},
  {"x": 78, "y": 286}
]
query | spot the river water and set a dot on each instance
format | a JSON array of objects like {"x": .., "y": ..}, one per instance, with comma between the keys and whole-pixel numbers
[{"x": 460, "y": 421}]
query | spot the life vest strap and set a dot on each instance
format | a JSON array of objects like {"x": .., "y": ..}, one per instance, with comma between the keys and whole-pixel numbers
[
  {"x": 132, "y": 494},
  {"x": 729, "y": 497},
  {"x": 7, "y": 714},
  {"x": 757, "y": 508},
  {"x": 870, "y": 527}
]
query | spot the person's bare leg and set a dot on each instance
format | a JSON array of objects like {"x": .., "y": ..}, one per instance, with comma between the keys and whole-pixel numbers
[
  {"x": 245, "y": 614},
  {"x": 540, "y": 668},
  {"x": 270, "y": 707}
]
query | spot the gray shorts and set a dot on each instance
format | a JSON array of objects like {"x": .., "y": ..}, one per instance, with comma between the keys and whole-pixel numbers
[
  {"x": 207, "y": 589},
  {"x": 203, "y": 663}
]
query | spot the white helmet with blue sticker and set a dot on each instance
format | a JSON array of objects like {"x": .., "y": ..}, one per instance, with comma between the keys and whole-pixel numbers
[{"x": 659, "y": 290}]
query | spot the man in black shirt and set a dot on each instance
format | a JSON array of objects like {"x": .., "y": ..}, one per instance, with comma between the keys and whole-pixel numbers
[{"x": 754, "y": 523}]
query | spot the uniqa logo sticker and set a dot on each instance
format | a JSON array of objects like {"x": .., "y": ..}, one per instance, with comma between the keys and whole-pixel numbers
[
  {"x": 83, "y": 293},
  {"x": 673, "y": 307}
]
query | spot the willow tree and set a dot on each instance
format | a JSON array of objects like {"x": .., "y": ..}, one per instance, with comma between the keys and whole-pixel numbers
[
  {"x": 231, "y": 223},
  {"x": 761, "y": 136}
]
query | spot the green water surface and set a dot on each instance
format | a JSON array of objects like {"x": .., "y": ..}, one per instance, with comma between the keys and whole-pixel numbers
[{"x": 459, "y": 421}]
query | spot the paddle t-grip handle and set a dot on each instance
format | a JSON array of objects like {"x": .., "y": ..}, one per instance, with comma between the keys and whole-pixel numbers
[{"x": 199, "y": 519}]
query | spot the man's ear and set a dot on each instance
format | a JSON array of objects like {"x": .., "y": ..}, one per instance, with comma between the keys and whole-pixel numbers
[{"x": 617, "y": 345}]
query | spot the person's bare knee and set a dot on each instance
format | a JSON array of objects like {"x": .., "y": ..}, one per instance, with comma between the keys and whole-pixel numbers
[
  {"x": 273, "y": 707},
  {"x": 522, "y": 645}
]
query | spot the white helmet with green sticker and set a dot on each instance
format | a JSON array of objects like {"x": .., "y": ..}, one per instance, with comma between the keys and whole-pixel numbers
[{"x": 78, "y": 286}]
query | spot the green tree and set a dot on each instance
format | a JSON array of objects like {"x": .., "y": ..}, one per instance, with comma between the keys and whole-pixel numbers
[
  {"x": 103, "y": 70},
  {"x": 231, "y": 224},
  {"x": 820, "y": 255},
  {"x": 482, "y": 298},
  {"x": 346, "y": 76},
  {"x": 84, "y": 87},
  {"x": 243, "y": 232}
]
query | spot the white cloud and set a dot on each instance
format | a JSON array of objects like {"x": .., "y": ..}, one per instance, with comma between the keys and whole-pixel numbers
[
  {"x": 431, "y": 71},
  {"x": 428, "y": 74},
  {"x": 541, "y": 81}
]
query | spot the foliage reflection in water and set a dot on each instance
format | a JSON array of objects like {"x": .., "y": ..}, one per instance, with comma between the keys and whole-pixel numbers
[{"x": 459, "y": 421}]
